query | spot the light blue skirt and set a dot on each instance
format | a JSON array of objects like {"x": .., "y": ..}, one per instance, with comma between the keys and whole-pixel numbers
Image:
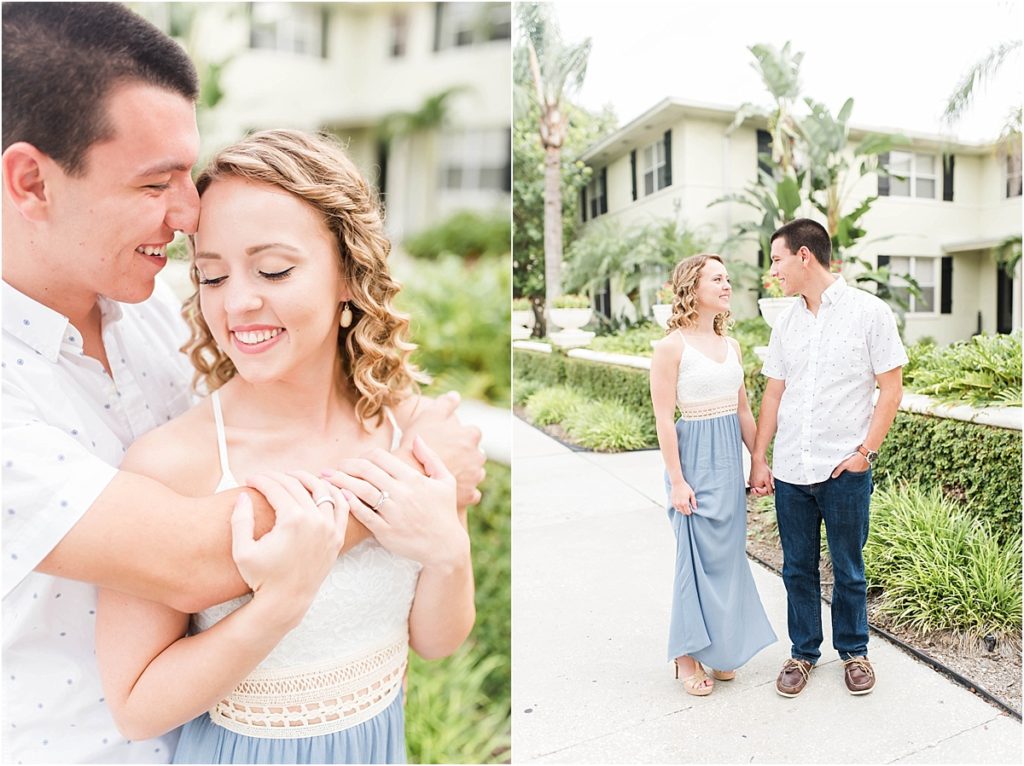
[
  {"x": 379, "y": 740},
  {"x": 717, "y": 616}
]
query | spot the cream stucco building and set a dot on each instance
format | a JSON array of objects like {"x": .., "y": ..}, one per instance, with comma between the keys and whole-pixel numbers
[
  {"x": 346, "y": 67},
  {"x": 939, "y": 223}
]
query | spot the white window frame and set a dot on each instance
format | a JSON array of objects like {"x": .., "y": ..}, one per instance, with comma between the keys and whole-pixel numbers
[
  {"x": 467, "y": 24},
  {"x": 288, "y": 27},
  {"x": 1013, "y": 173},
  {"x": 653, "y": 168},
  {"x": 398, "y": 34},
  {"x": 912, "y": 262},
  {"x": 472, "y": 151},
  {"x": 915, "y": 174}
]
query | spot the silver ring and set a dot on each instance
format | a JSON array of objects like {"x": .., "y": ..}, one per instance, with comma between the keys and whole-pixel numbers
[
  {"x": 380, "y": 501},
  {"x": 324, "y": 499}
]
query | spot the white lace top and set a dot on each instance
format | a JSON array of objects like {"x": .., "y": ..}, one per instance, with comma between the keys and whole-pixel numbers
[
  {"x": 358, "y": 623},
  {"x": 706, "y": 388}
]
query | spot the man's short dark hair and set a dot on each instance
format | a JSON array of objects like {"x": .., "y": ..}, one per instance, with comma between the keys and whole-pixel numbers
[
  {"x": 803, "y": 232},
  {"x": 62, "y": 60}
]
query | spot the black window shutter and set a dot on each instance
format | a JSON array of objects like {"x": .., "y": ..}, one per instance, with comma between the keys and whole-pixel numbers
[
  {"x": 764, "y": 146},
  {"x": 946, "y": 283},
  {"x": 583, "y": 204},
  {"x": 883, "y": 181},
  {"x": 883, "y": 260},
  {"x": 632, "y": 167},
  {"x": 668, "y": 158},
  {"x": 947, "y": 177},
  {"x": 604, "y": 191}
]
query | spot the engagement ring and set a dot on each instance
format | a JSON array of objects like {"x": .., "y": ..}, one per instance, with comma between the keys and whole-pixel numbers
[{"x": 383, "y": 496}]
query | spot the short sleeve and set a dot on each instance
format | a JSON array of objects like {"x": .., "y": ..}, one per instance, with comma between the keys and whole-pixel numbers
[
  {"x": 883, "y": 340},
  {"x": 775, "y": 363},
  {"x": 50, "y": 480}
]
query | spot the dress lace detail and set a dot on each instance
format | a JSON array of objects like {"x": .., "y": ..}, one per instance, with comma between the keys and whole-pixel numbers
[
  {"x": 309, "y": 700},
  {"x": 706, "y": 388}
]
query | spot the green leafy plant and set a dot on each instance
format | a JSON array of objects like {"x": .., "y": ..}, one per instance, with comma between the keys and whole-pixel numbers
[
  {"x": 665, "y": 294},
  {"x": 983, "y": 371},
  {"x": 467, "y": 234},
  {"x": 552, "y": 405},
  {"x": 938, "y": 567},
  {"x": 609, "y": 426},
  {"x": 771, "y": 286},
  {"x": 521, "y": 304},
  {"x": 636, "y": 341},
  {"x": 460, "y": 321},
  {"x": 571, "y": 301}
]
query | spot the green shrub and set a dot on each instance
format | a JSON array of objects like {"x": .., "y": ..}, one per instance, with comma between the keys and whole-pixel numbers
[
  {"x": 459, "y": 709},
  {"x": 636, "y": 341},
  {"x": 521, "y": 304},
  {"x": 609, "y": 426},
  {"x": 524, "y": 389},
  {"x": 466, "y": 234},
  {"x": 984, "y": 371},
  {"x": 571, "y": 301},
  {"x": 977, "y": 466},
  {"x": 938, "y": 567},
  {"x": 552, "y": 405},
  {"x": 460, "y": 321}
]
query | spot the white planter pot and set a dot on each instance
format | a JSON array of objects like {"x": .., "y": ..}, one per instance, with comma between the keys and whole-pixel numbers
[
  {"x": 771, "y": 308},
  {"x": 662, "y": 313},
  {"x": 570, "y": 319}
]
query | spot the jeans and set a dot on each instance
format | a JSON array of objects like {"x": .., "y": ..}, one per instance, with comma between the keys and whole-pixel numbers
[{"x": 843, "y": 503}]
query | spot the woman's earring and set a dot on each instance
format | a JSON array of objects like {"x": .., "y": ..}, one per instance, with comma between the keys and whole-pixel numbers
[{"x": 346, "y": 316}]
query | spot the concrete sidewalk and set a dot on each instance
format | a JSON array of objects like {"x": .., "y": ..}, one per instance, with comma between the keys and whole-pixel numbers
[{"x": 593, "y": 560}]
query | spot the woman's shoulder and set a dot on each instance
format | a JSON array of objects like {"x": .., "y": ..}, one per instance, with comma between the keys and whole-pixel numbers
[
  {"x": 670, "y": 346},
  {"x": 179, "y": 453}
]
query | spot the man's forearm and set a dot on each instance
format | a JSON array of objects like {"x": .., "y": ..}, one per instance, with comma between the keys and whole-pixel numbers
[
  {"x": 140, "y": 537},
  {"x": 882, "y": 418},
  {"x": 767, "y": 422}
]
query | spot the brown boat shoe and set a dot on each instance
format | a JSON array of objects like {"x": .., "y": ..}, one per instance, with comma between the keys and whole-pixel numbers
[
  {"x": 793, "y": 677},
  {"x": 859, "y": 675}
]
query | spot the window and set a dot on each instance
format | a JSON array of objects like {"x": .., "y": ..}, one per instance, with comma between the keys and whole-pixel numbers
[
  {"x": 597, "y": 193},
  {"x": 1013, "y": 175},
  {"x": 926, "y": 271},
  {"x": 918, "y": 174},
  {"x": 291, "y": 27},
  {"x": 461, "y": 24},
  {"x": 473, "y": 160},
  {"x": 656, "y": 165},
  {"x": 398, "y": 33}
]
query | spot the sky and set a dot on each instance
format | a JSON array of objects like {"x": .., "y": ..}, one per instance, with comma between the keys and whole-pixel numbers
[{"x": 898, "y": 59}]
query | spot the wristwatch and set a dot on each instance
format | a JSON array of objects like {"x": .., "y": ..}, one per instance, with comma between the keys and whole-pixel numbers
[{"x": 869, "y": 454}]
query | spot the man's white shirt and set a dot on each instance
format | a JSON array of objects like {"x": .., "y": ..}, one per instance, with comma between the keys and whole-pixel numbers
[
  {"x": 66, "y": 427},
  {"x": 829, "y": 364}
]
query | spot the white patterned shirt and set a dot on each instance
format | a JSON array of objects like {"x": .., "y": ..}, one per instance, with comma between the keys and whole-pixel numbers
[
  {"x": 66, "y": 427},
  {"x": 829, "y": 364}
]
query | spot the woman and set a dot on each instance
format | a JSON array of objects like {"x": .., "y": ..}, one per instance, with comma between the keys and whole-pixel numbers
[
  {"x": 717, "y": 617},
  {"x": 294, "y": 333}
]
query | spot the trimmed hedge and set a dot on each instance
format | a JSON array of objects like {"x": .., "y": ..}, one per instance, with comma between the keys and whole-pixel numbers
[{"x": 978, "y": 466}]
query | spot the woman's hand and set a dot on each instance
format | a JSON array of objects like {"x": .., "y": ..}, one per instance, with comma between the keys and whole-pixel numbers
[
  {"x": 683, "y": 499},
  {"x": 410, "y": 514},
  {"x": 291, "y": 560}
]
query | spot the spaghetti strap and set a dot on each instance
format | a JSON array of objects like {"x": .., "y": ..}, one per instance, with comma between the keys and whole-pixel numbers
[
  {"x": 396, "y": 431},
  {"x": 227, "y": 479}
]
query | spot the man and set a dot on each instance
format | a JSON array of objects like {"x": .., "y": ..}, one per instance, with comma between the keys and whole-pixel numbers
[
  {"x": 99, "y": 138},
  {"x": 826, "y": 354}
]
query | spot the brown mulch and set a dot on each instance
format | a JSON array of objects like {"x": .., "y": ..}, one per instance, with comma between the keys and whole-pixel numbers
[{"x": 996, "y": 668}]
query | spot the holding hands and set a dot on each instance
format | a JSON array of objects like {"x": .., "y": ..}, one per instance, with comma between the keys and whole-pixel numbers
[
  {"x": 410, "y": 514},
  {"x": 761, "y": 481},
  {"x": 290, "y": 561}
]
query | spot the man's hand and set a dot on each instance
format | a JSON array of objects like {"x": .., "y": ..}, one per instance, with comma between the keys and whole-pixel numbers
[
  {"x": 457, "y": 445},
  {"x": 856, "y": 463},
  {"x": 761, "y": 480}
]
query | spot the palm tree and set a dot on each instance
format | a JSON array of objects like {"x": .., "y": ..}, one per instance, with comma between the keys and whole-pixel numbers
[
  {"x": 962, "y": 97},
  {"x": 547, "y": 70}
]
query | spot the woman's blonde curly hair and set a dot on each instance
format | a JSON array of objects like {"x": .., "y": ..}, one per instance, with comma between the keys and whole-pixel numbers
[
  {"x": 374, "y": 350},
  {"x": 685, "y": 277}
]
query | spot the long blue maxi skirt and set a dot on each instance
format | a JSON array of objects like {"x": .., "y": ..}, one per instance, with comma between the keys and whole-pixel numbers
[
  {"x": 378, "y": 740},
  {"x": 717, "y": 616}
]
